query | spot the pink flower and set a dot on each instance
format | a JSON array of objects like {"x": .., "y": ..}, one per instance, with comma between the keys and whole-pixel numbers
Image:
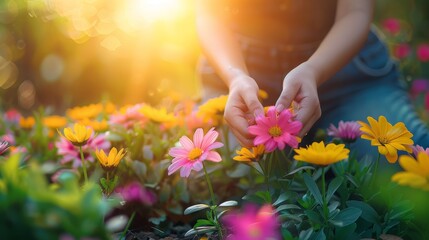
[
  {"x": 3, "y": 147},
  {"x": 347, "y": 131},
  {"x": 12, "y": 116},
  {"x": 275, "y": 130},
  {"x": 419, "y": 86},
  {"x": 129, "y": 117},
  {"x": 401, "y": 50},
  {"x": 423, "y": 52},
  {"x": 135, "y": 192},
  {"x": 71, "y": 153},
  {"x": 253, "y": 224},
  {"x": 9, "y": 137},
  {"x": 417, "y": 149},
  {"x": 392, "y": 25},
  {"x": 191, "y": 154}
]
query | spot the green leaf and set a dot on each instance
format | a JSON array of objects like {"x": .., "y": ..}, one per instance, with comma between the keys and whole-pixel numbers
[
  {"x": 368, "y": 213},
  {"x": 200, "y": 230},
  {"x": 312, "y": 187},
  {"x": 313, "y": 216},
  {"x": 283, "y": 197},
  {"x": 287, "y": 207},
  {"x": 345, "y": 232},
  {"x": 228, "y": 204},
  {"x": 333, "y": 186},
  {"x": 195, "y": 208},
  {"x": 306, "y": 234},
  {"x": 288, "y": 216},
  {"x": 103, "y": 182},
  {"x": 203, "y": 222},
  {"x": 299, "y": 169},
  {"x": 346, "y": 217},
  {"x": 320, "y": 235}
]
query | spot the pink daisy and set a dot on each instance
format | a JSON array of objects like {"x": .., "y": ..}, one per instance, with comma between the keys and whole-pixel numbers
[
  {"x": 129, "y": 117},
  {"x": 191, "y": 154},
  {"x": 392, "y": 25},
  {"x": 347, "y": 131},
  {"x": 417, "y": 149},
  {"x": 275, "y": 130},
  {"x": 423, "y": 52},
  {"x": 3, "y": 146},
  {"x": 253, "y": 224},
  {"x": 137, "y": 193}
]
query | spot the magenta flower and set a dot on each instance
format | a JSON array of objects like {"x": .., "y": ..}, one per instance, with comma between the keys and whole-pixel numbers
[
  {"x": 135, "y": 192},
  {"x": 419, "y": 86},
  {"x": 347, "y": 131},
  {"x": 417, "y": 149},
  {"x": 391, "y": 25},
  {"x": 70, "y": 153},
  {"x": 275, "y": 130},
  {"x": 191, "y": 154},
  {"x": 401, "y": 50},
  {"x": 253, "y": 224},
  {"x": 8, "y": 137},
  {"x": 423, "y": 52}
]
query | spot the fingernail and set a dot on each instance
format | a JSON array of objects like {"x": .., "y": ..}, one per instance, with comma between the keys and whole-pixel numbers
[
  {"x": 279, "y": 107},
  {"x": 258, "y": 112}
]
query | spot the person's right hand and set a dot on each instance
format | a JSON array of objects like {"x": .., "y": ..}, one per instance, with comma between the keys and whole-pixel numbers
[{"x": 242, "y": 107}]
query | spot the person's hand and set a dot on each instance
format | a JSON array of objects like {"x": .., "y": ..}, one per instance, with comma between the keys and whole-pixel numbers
[
  {"x": 300, "y": 85},
  {"x": 242, "y": 107}
]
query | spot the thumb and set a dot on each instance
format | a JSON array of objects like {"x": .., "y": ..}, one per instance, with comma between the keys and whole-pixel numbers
[
  {"x": 286, "y": 97},
  {"x": 253, "y": 104}
]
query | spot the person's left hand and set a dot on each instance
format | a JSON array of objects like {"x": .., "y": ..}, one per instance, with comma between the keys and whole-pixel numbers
[{"x": 300, "y": 85}]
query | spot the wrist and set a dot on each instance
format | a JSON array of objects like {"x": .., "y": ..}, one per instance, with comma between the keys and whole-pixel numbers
[
  {"x": 316, "y": 71},
  {"x": 235, "y": 75}
]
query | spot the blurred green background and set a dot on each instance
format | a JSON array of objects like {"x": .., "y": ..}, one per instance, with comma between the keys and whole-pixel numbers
[{"x": 64, "y": 53}]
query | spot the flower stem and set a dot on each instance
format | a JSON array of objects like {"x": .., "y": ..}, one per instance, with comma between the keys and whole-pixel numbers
[
  {"x": 226, "y": 139},
  {"x": 219, "y": 228},
  {"x": 270, "y": 163},
  {"x": 325, "y": 204},
  {"x": 83, "y": 164},
  {"x": 128, "y": 225},
  {"x": 209, "y": 184}
]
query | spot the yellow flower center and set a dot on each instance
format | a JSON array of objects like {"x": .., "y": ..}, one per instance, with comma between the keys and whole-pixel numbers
[
  {"x": 195, "y": 153},
  {"x": 275, "y": 131},
  {"x": 383, "y": 140}
]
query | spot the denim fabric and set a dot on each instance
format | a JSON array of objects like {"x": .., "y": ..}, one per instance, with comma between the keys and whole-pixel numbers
[{"x": 369, "y": 85}]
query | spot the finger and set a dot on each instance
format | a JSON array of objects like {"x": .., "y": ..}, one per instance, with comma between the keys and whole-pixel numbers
[
  {"x": 253, "y": 104},
  {"x": 290, "y": 90},
  {"x": 238, "y": 126},
  {"x": 308, "y": 116}
]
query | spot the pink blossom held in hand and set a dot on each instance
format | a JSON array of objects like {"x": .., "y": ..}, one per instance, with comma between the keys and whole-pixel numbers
[
  {"x": 401, "y": 50},
  {"x": 276, "y": 130},
  {"x": 191, "y": 154},
  {"x": 252, "y": 224},
  {"x": 423, "y": 52},
  {"x": 391, "y": 25},
  {"x": 347, "y": 131}
]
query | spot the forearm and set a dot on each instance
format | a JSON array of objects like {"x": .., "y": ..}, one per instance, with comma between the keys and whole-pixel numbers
[
  {"x": 218, "y": 43},
  {"x": 344, "y": 40}
]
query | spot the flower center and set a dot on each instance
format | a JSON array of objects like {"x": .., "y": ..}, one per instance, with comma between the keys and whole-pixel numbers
[
  {"x": 275, "y": 131},
  {"x": 195, "y": 153},
  {"x": 383, "y": 140}
]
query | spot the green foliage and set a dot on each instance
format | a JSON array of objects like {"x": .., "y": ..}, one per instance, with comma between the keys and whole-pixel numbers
[{"x": 34, "y": 209}]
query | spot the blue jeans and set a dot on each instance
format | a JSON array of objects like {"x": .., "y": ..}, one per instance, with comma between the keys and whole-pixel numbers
[{"x": 369, "y": 85}]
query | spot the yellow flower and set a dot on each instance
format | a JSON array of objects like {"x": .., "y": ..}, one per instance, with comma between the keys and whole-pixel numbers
[
  {"x": 54, "y": 121},
  {"x": 319, "y": 154},
  {"x": 27, "y": 123},
  {"x": 386, "y": 137},
  {"x": 89, "y": 111},
  {"x": 416, "y": 172},
  {"x": 158, "y": 115},
  {"x": 245, "y": 155},
  {"x": 98, "y": 126},
  {"x": 79, "y": 135},
  {"x": 111, "y": 161},
  {"x": 213, "y": 110},
  {"x": 262, "y": 94}
]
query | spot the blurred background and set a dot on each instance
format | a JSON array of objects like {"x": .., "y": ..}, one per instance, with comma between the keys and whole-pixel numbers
[{"x": 65, "y": 53}]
